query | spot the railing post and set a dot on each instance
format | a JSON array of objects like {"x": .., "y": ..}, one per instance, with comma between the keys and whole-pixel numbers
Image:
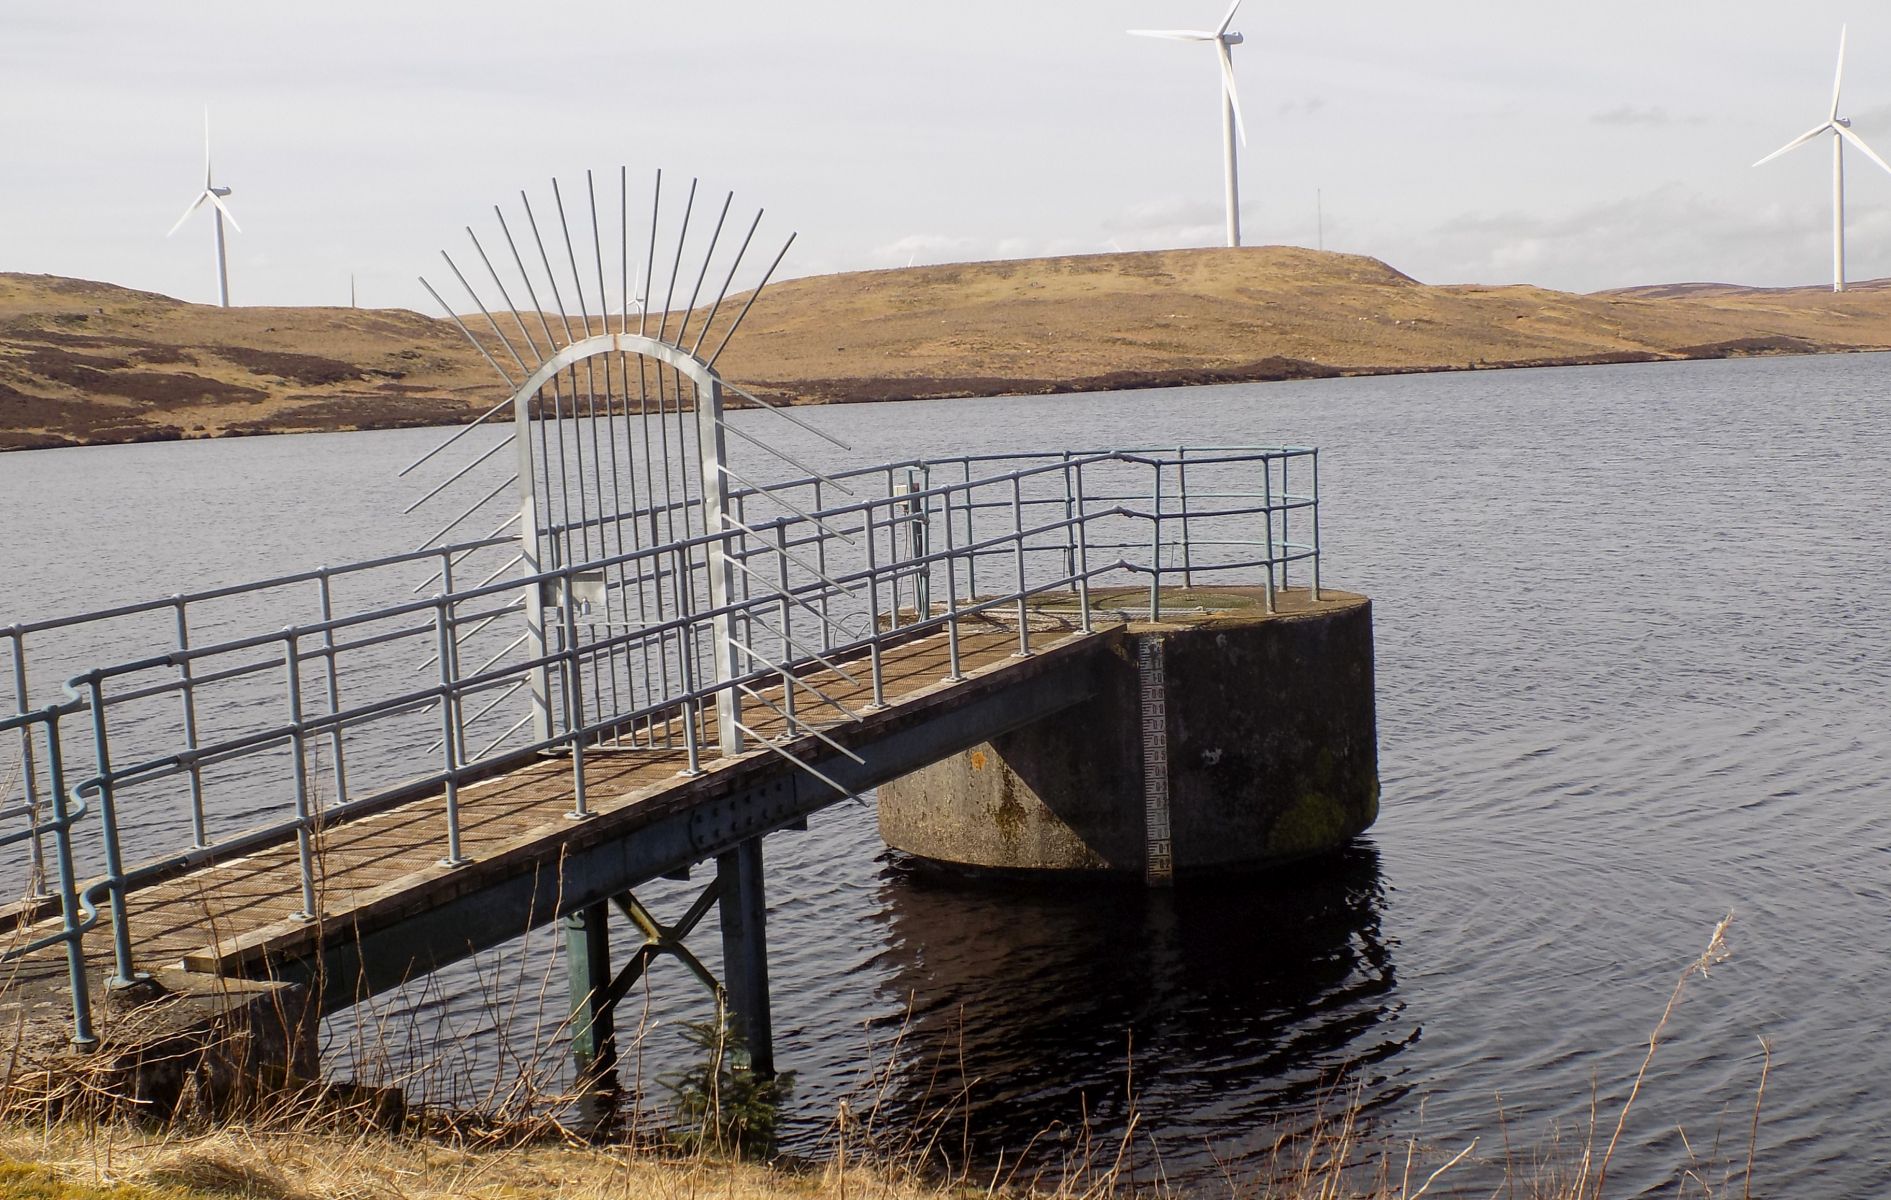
[
  {"x": 449, "y": 731},
  {"x": 713, "y": 443},
  {"x": 873, "y": 608},
  {"x": 1070, "y": 525},
  {"x": 1017, "y": 544},
  {"x": 914, "y": 516},
  {"x": 574, "y": 699},
  {"x": 1181, "y": 484},
  {"x": 952, "y": 593},
  {"x": 187, "y": 697},
  {"x": 1286, "y": 524},
  {"x": 299, "y": 771},
  {"x": 820, "y": 560},
  {"x": 1083, "y": 548},
  {"x": 453, "y": 642},
  {"x": 334, "y": 686},
  {"x": 530, "y": 565},
  {"x": 82, "y": 1034},
  {"x": 786, "y": 611},
  {"x": 1267, "y": 514},
  {"x": 1316, "y": 525},
  {"x": 971, "y": 535},
  {"x": 745, "y": 584},
  {"x": 686, "y": 667},
  {"x": 123, "y": 974},
  {"x": 1155, "y": 565},
  {"x": 36, "y": 884}
]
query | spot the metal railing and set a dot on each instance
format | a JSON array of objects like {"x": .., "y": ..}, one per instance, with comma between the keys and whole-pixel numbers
[
  {"x": 55, "y": 818},
  {"x": 272, "y": 732}
]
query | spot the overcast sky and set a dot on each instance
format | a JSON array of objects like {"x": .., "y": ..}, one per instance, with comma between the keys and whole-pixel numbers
[{"x": 1579, "y": 146}]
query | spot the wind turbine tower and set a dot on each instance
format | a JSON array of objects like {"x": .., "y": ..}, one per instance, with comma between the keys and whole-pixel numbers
[
  {"x": 213, "y": 195},
  {"x": 1841, "y": 130},
  {"x": 1231, "y": 124}
]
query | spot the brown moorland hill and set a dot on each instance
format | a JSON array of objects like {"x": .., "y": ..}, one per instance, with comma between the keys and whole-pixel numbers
[{"x": 90, "y": 363}]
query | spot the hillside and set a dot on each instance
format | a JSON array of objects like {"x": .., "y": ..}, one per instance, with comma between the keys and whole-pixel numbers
[{"x": 88, "y": 362}]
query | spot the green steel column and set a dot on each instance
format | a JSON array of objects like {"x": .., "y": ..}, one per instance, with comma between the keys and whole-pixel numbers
[
  {"x": 745, "y": 951},
  {"x": 588, "y": 969}
]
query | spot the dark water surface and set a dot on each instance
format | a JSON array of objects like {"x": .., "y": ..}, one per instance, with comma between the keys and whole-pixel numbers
[{"x": 1634, "y": 667}]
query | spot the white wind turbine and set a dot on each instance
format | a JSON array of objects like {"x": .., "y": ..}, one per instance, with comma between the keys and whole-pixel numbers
[
  {"x": 213, "y": 195},
  {"x": 1841, "y": 131},
  {"x": 1231, "y": 123}
]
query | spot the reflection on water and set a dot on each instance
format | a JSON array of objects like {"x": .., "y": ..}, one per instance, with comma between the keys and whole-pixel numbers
[{"x": 1029, "y": 1005}]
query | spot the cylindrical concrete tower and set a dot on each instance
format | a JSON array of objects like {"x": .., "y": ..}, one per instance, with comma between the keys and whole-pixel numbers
[{"x": 1220, "y": 738}]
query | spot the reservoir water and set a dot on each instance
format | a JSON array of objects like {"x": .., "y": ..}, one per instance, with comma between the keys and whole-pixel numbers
[{"x": 1634, "y": 670}]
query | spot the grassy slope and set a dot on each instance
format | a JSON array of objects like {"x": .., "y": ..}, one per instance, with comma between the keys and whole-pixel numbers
[{"x": 86, "y": 362}]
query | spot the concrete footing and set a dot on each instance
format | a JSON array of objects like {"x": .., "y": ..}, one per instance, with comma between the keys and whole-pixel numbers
[
  {"x": 1220, "y": 738},
  {"x": 177, "y": 1041}
]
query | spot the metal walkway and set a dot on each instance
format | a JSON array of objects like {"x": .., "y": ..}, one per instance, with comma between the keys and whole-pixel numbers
[
  {"x": 389, "y": 910},
  {"x": 381, "y": 883}
]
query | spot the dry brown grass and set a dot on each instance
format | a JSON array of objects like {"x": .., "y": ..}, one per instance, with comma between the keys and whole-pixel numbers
[
  {"x": 90, "y": 362},
  {"x": 335, "y": 1145},
  {"x": 278, "y": 1166}
]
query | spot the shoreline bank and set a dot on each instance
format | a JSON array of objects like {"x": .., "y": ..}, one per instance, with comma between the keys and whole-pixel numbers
[
  {"x": 893, "y": 389},
  {"x": 84, "y": 363}
]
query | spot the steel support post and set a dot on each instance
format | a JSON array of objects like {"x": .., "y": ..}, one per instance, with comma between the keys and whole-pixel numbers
[
  {"x": 745, "y": 951},
  {"x": 715, "y": 484},
  {"x": 530, "y": 564},
  {"x": 588, "y": 974}
]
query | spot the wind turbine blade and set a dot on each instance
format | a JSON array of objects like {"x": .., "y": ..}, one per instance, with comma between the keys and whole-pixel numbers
[
  {"x": 1797, "y": 142},
  {"x": 1227, "y": 20},
  {"x": 1175, "y": 35},
  {"x": 1838, "y": 79},
  {"x": 224, "y": 209},
  {"x": 1859, "y": 142},
  {"x": 194, "y": 206},
  {"x": 206, "y": 147},
  {"x": 1227, "y": 85}
]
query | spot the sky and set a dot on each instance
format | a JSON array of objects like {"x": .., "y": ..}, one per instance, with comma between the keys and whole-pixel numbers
[{"x": 1575, "y": 146}]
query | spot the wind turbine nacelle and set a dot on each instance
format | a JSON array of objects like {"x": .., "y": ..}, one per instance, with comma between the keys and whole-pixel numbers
[
  {"x": 219, "y": 191},
  {"x": 1232, "y": 38},
  {"x": 1845, "y": 121}
]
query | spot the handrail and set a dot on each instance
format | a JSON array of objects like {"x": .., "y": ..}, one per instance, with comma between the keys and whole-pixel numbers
[
  {"x": 628, "y": 647},
  {"x": 77, "y": 915}
]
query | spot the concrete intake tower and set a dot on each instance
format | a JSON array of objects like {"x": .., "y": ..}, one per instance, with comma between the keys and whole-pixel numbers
[{"x": 1217, "y": 738}]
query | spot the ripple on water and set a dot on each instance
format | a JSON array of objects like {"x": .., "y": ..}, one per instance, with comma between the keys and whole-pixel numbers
[{"x": 1631, "y": 669}]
